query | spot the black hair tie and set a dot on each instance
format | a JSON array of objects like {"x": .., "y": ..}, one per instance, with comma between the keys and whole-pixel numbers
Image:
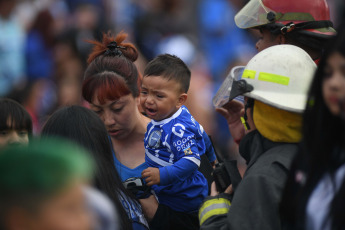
[{"x": 113, "y": 49}]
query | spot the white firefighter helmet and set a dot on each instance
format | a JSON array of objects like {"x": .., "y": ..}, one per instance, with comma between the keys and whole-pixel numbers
[{"x": 279, "y": 76}]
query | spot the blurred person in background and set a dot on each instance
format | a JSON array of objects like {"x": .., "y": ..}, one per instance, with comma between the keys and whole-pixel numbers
[
  {"x": 12, "y": 40},
  {"x": 41, "y": 187},
  {"x": 223, "y": 45},
  {"x": 156, "y": 21},
  {"x": 217, "y": 28},
  {"x": 314, "y": 195},
  {"x": 86, "y": 24},
  {"x": 40, "y": 90},
  {"x": 69, "y": 71},
  {"x": 83, "y": 126},
  {"x": 39, "y": 47},
  {"x": 15, "y": 123}
]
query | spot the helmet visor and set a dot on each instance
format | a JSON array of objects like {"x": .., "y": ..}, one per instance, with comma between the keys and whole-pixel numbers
[
  {"x": 223, "y": 94},
  {"x": 253, "y": 14}
]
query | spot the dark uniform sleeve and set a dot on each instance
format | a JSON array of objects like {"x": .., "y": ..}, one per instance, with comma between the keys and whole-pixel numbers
[
  {"x": 255, "y": 204},
  {"x": 213, "y": 212}
]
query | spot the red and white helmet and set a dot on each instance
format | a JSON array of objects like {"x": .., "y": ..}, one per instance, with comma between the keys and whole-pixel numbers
[{"x": 310, "y": 16}]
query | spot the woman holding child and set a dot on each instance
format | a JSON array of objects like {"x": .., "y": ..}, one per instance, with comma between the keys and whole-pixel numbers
[{"x": 111, "y": 86}]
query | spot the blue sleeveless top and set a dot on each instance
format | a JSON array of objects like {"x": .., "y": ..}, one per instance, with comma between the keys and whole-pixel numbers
[
  {"x": 126, "y": 172},
  {"x": 132, "y": 208}
]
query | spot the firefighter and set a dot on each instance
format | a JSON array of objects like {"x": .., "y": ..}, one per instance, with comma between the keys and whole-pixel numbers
[
  {"x": 274, "y": 85},
  {"x": 303, "y": 23}
]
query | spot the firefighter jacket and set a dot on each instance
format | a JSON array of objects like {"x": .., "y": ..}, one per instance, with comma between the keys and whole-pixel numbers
[{"x": 255, "y": 202}]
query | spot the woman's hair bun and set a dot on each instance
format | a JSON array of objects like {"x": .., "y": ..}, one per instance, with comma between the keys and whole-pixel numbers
[{"x": 100, "y": 48}]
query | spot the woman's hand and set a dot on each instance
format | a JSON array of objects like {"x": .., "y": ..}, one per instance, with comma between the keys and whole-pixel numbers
[
  {"x": 151, "y": 176},
  {"x": 232, "y": 112},
  {"x": 149, "y": 206}
]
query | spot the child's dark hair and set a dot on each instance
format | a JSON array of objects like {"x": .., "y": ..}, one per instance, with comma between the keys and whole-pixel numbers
[
  {"x": 20, "y": 119},
  {"x": 169, "y": 67}
]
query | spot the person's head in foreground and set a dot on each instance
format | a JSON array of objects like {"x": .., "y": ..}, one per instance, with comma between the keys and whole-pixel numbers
[
  {"x": 81, "y": 125},
  {"x": 164, "y": 86},
  {"x": 275, "y": 84},
  {"x": 41, "y": 186},
  {"x": 15, "y": 123}
]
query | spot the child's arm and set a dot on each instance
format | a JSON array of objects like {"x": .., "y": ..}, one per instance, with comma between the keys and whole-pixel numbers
[
  {"x": 184, "y": 145},
  {"x": 179, "y": 171}
]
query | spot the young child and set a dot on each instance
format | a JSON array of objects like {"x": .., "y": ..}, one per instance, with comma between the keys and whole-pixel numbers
[
  {"x": 15, "y": 123},
  {"x": 173, "y": 140}
]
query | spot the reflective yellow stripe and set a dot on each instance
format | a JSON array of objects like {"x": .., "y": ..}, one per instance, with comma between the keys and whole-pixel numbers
[
  {"x": 218, "y": 211},
  {"x": 274, "y": 78},
  {"x": 244, "y": 123},
  {"x": 249, "y": 74},
  {"x": 213, "y": 207}
]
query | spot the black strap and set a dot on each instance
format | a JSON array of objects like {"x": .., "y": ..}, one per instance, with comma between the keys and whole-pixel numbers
[
  {"x": 305, "y": 25},
  {"x": 249, "y": 104},
  {"x": 235, "y": 176}
]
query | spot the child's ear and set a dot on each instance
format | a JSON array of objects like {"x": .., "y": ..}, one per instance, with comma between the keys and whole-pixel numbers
[{"x": 181, "y": 100}]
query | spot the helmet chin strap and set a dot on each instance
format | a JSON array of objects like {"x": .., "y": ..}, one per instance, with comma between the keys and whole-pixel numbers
[{"x": 249, "y": 104}]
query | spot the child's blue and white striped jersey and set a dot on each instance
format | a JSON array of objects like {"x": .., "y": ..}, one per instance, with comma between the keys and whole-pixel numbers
[{"x": 174, "y": 145}]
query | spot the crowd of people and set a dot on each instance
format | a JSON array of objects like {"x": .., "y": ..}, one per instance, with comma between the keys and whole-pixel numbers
[{"x": 106, "y": 114}]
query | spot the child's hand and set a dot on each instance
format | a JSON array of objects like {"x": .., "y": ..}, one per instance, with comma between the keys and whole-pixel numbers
[{"x": 151, "y": 176}]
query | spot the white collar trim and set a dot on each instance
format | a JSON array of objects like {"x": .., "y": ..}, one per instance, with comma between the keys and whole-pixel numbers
[{"x": 167, "y": 120}]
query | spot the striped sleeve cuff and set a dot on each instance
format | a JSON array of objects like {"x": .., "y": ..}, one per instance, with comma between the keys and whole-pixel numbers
[{"x": 212, "y": 207}]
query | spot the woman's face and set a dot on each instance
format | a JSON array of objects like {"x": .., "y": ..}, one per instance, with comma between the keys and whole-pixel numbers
[
  {"x": 13, "y": 136},
  {"x": 120, "y": 117},
  {"x": 333, "y": 86}
]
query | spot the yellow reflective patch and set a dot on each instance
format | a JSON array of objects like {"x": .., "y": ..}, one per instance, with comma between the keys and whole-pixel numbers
[
  {"x": 274, "y": 78},
  {"x": 209, "y": 203},
  {"x": 249, "y": 74},
  {"x": 244, "y": 123},
  {"x": 218, "y": 211}
]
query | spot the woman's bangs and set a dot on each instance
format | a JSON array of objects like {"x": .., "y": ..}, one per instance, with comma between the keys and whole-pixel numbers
[
  {"x": 15, "y": 120},
  {"x": 107, "y": 88}
]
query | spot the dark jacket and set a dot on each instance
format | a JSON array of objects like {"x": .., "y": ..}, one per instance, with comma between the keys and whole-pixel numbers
[{"x": 255, "y": 203}]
